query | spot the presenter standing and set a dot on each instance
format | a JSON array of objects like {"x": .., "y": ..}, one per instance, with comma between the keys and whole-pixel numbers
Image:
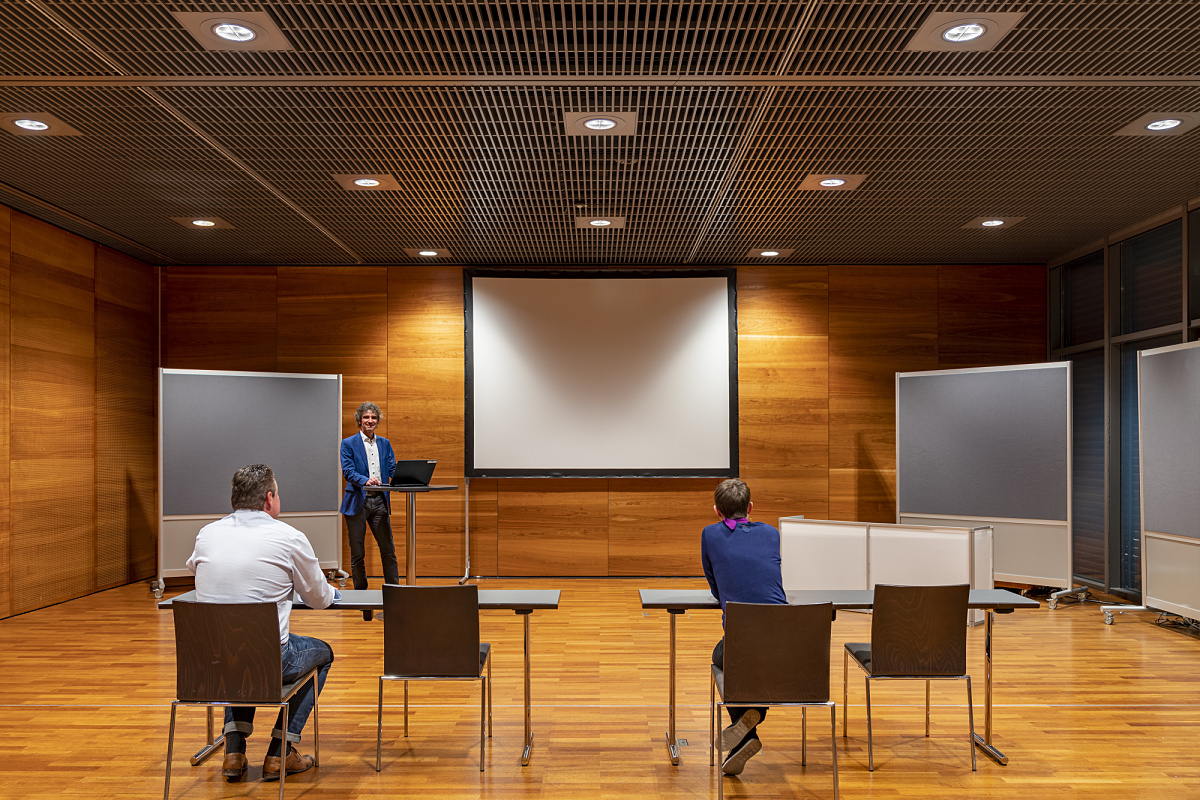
[{"x": 368, "y": 460}]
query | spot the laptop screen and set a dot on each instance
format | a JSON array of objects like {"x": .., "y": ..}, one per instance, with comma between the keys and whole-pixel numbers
[{"x": 413, "y": 472}]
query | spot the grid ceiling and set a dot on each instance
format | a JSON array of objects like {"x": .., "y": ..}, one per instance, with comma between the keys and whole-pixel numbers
[{"x": 463, "y": 103}]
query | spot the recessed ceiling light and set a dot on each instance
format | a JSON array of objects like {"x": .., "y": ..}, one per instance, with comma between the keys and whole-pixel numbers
[
  {"x": 233, "y": 32},
  {"x": 775, "y": 252},
  {"x": 827, "y": 181},
  {"x": 600, "y": 223},
  {"x": 366, "y": 182},
  {"x": 600, "y": 123},
  {"x": 37, "y": 123},
  {"x": 1157, "y": 125},
  {"x": 31, "y": 124},
  {"x": 769, "y": 253},
  {"x": 203, "y": 223},
  {"x": 427, "y": 252},
  {"x": 965, "y": 32},
  {"x": 993, "y": 223}
]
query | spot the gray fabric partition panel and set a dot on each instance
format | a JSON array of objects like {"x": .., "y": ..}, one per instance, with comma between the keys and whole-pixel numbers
[
  {"x": 984, "y": 443},
  {"x": 215, "y": 423},
  {"x": 1169, "y": 407}
]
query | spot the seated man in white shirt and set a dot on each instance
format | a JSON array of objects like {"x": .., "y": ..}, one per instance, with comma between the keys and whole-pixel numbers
[{"x": 250, "y": 556}]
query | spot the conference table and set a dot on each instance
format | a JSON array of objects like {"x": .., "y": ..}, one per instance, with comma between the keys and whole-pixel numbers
[
  {"x": 410, "y": 521},
  {"x": 522, "y": 601},
  {"x": 993, "y": 601}
]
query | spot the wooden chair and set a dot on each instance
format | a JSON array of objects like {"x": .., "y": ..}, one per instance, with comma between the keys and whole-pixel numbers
[
  {"x": 775, "y": 655},
  {"x": 431, "y": 633},
  {"x": 917, "y": 633},
  {"x": 227, "y": 654}
]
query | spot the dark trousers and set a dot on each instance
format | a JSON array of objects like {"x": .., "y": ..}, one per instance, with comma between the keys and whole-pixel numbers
[
  {"x": 735, "y": 714},
  {"x": 374, "y": 512},
  {"x": 300, "y": 655}
]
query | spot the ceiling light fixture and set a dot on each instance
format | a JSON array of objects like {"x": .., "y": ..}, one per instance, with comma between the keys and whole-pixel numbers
[
  {"x": 600, "y": 223},
  {"x": 600, "y": 124},
  {"x": 31, "y": 124},
  {"x": 1164, "y": 124},
  {"x": 992, "y": 223},
  {"x": 964, "y": 33},
  {"x": 831, "y": 182},
  {"x": 232, "y": 32},
  {"x": 427, "y": 253},
  {"x": 368, "y": 182},
  {"x": 204, "y": 223},
  {"x": 769, "y": 253}
]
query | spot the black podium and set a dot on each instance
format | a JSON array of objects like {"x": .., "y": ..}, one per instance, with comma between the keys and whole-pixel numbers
[{"x": 410, "y": 523}]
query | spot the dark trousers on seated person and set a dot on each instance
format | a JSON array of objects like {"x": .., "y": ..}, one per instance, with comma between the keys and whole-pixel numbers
[
  {"x": 718, "y": 659},
  {"x": 300, "y": 655},
  {"x": 374, "y": 513}
]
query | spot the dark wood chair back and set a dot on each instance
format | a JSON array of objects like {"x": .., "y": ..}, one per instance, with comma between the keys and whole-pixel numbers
[
  {"x": 227, "y": 652},
  {"x": 777, "y": 653},
  {"x": 919, "y": 630},
  {"x": 431, "y": 631}
]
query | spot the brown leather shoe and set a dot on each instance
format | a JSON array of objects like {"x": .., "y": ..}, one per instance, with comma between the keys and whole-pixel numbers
[
  {"x": 295, "y": 763},
  {"x": 234, "y": 766}
]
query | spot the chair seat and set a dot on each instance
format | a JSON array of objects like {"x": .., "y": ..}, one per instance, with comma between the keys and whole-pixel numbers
[{"x": 861, "y": 653}]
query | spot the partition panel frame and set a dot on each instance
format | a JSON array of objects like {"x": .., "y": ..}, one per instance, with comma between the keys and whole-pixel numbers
[{"x": 1065, "y": 581}]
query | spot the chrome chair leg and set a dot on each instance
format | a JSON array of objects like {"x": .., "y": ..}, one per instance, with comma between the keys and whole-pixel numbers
[
  {"x": 489, "y": 681},
  {"x": 833, "y": 741},
  {"x": 845, "y": 691},
  {"x": 870, "y": 742},
  {"x": 483, "y": 690},
  {"x": 406, "y": 709},
  {"x": 971, "y": 722},
  {"x": 712, "y": 722},
  {"x": 283, "y": 749},
  {"x": 170, "y": 750},
  {"x": 379, "y": 729},
  {"x": 720, "y": 761},
  {"x": 803, "y": 736},
  {"x": 926, "y": 709},
  {"x": 316, "y": 726}
]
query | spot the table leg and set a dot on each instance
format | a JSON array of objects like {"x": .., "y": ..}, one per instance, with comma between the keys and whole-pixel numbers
[
  {"x": 526, "y": 612},
  {"x": 672, "y": 742},
  {"x": 984, "y": 743},
  {"x": 214, "y": 742},
  {"x": 410, "y": 549}
]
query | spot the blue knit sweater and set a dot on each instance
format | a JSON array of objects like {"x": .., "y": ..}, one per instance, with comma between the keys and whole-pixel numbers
[{"x": 742, "y": 565}]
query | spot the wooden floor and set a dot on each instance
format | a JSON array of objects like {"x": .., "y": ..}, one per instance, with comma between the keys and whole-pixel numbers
[{"x": 1081, "y": 709}]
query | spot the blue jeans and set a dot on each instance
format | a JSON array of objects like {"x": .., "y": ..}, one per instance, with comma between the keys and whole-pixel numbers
[{"x": 300, "y": 655}]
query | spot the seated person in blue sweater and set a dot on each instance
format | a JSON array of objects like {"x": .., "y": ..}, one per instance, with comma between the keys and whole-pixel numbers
[{"x": 741, "y": 562}]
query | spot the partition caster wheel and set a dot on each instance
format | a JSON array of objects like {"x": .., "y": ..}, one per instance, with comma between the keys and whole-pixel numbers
[
  {"x": 1108, "y": 618},
  {"x": 1052, "y": 603}
]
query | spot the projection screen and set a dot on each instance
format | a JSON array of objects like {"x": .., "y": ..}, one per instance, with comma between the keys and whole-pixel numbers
[{"x": 601, "y": 374}]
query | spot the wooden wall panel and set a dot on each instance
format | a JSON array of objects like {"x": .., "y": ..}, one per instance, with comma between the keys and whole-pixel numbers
[
  {"x": 783, "y": 386},
  {"x": 654, "y": 524},
  {"x": 5, "y": 476},
  {"x": 52, "y": 417},
  {"x": 553, "y": 527},
  {"x": 882, "y": 320},
  {"x": 219, "y": 318},
  {"x": 126, "y": 419},
  {"x": 425, "y": 401},
  {"x": 334, "y": 320},
  {"x": 991, "y": 315},
  {"x": 484, "y": 521}
]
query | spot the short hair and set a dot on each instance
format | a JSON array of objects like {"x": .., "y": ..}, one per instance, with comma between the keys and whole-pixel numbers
[
  {"x": 733, "y": 498},
  {"x": 364, "y": 408},
  {"x": 251, "y": 485}
]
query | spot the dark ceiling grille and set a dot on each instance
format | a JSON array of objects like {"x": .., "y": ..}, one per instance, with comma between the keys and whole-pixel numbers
[{"x": 489, "y": 172}]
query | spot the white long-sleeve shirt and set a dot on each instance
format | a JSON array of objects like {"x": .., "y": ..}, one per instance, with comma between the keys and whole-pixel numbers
[{"x": 250, "y": 557}]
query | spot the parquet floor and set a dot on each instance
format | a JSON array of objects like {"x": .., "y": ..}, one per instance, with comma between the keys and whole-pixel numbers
[{"x": 1082, "y": 709}]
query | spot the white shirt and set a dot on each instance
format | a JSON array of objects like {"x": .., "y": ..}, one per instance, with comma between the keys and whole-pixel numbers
[
  {"x": 249, "y": 557},
  {"x": 372, "y": 457}
]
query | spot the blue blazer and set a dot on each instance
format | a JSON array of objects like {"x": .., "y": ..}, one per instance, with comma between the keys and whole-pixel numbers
[{"x": 356, "y": 472}]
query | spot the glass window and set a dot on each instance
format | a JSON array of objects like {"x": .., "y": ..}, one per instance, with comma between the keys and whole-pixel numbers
[
  {"x": 1087, "y": 465},
  {"x": 1131, "y": 509},
  {"x": 1152, "y": 278},
  {"x": 1083, "y": 299}
]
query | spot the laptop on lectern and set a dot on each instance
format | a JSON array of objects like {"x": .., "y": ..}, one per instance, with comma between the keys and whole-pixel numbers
[{"x": 413, "y": 472}]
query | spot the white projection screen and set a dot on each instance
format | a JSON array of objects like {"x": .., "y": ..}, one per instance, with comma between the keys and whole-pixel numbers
[{"x": 604, "y": 374}]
